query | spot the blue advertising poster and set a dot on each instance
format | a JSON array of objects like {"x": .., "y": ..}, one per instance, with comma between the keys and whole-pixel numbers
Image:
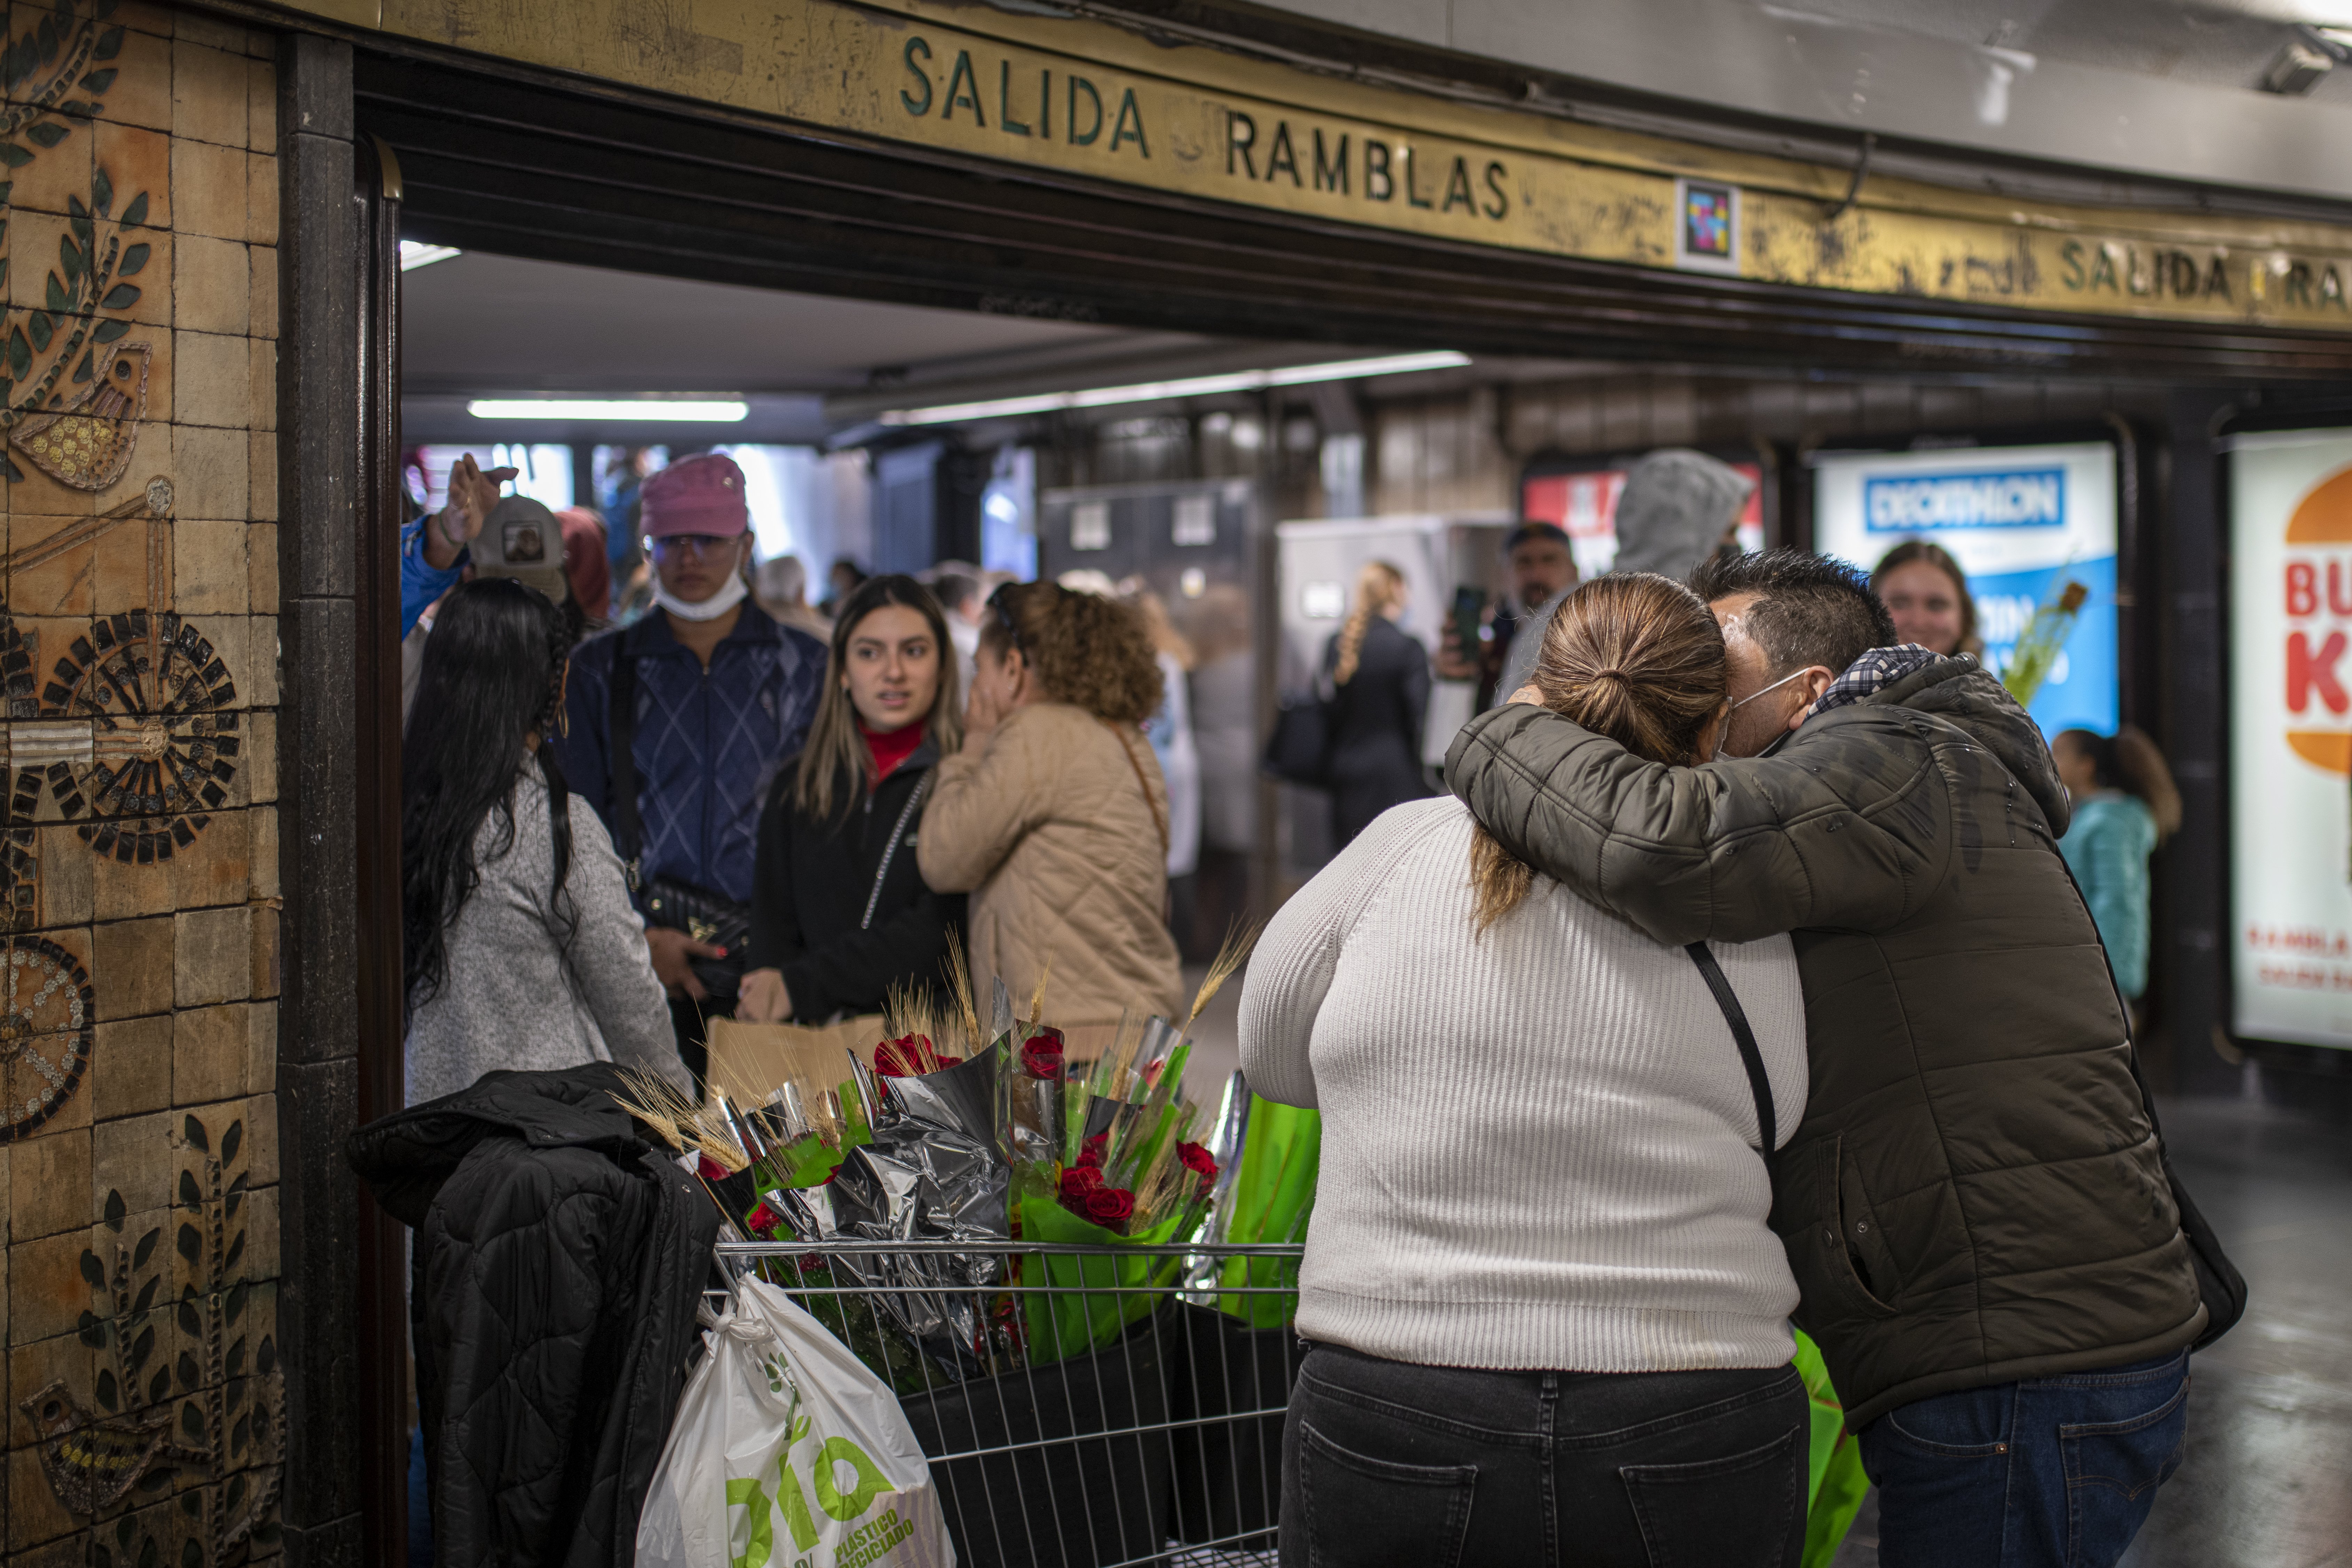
[{"x": 2022, "y": 522}]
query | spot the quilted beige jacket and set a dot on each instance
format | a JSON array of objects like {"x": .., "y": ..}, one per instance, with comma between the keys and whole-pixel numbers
[{"x": 1053, "y": 834}]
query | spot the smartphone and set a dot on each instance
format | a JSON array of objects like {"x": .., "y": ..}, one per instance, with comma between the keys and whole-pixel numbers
[{"x": 1469, "y": 610}]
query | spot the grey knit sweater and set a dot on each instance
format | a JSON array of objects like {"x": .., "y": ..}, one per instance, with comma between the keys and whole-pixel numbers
[
  {"x": 515, "y": 996},
  {"x": 1537, "y": 1145}
]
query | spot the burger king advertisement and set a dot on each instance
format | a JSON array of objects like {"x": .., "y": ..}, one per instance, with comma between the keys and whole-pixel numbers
[{"x": 2291, "y": 735}]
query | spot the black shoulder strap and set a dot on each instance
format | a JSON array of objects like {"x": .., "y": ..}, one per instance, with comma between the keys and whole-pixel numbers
[
  {"x": 620, "y": 748},
  {"x": 1759, "y": 1083}
]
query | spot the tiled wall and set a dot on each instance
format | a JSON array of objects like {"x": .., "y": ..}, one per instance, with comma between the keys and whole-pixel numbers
[{"x": 139, "y": 965}]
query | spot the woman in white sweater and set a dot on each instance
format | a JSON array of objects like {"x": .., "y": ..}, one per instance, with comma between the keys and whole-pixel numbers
[{"x": 1549, "y": 1321}]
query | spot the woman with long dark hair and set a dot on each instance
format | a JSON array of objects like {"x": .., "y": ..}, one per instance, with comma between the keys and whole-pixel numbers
[
  {"x": 1927, "y": 595},
  {"x": 1380, "y": 683},
  {"x": 518, "y": 948},
  {"x": 839, "y": 911}
]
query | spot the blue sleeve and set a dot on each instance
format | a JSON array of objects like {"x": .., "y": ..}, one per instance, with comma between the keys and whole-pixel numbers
[
  {"x": 421, "y": 581},
  {"x": 2112, "y": 867}
]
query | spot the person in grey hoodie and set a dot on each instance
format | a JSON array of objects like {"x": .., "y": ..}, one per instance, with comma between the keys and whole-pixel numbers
[
  {"x": 519, "y": 947},
  {"x": 1678, "y": 507}
]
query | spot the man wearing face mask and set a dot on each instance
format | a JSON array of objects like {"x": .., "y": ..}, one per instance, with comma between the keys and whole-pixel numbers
[
  {"x": 1975, "y": 1207},
  {"x": 674, "y": 725}
]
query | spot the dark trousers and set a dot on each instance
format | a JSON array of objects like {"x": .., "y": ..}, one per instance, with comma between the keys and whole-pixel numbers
[
  {"x": 1385, "y": 1463},
  {"x": 2054, "y": 1472}
]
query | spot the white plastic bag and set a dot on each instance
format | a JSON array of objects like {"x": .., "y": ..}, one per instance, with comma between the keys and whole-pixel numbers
[{"x": 788, "y": 1453}]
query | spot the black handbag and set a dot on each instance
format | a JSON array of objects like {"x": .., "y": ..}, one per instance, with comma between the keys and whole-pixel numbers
[
  {"x": 671, "y": 903},
  {"x": 1299, "y": 749}
]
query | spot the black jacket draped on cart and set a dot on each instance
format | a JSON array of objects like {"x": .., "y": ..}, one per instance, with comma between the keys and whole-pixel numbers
[
  {"x": 558, "y": 1261},
  {"x": 839, "y": 906},
  {"x": 1376, "y": 725}
]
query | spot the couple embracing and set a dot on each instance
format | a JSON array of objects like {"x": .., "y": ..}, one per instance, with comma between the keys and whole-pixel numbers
[{"x": 1743, "y": 983}]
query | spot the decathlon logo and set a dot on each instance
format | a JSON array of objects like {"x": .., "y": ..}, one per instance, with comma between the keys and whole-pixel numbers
[{"x": 1916, "y": 503}]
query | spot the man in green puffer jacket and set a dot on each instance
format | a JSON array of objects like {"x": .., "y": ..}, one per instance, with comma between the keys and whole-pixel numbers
[{"x": 1974, "y": 1205}]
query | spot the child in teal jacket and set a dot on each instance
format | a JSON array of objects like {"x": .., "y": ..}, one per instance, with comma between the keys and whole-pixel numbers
[{"x": 2125, "y": 805}]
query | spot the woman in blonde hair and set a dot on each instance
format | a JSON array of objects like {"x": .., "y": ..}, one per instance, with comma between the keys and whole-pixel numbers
[
  {"x": 1540, "y": 1267},
  {"x": 1054, "y": 817},
  {"x": 839, "y": 913},
  {"x": 1379, "y": 677}
]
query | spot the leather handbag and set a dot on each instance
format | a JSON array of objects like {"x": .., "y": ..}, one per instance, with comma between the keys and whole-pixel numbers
[{"x": 671, "y": 903}]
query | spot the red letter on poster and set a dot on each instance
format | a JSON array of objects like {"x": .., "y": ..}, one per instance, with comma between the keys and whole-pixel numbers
[
  {"x": 2302, "y": 588},
  {"x": 2305, "y": 671}
]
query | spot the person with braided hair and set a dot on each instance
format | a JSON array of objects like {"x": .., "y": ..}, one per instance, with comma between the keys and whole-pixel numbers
[
  {"x": 1053, "y": 814},
  {"x": 519, "y": 949},
  {"x": 1378, "y": 675}
]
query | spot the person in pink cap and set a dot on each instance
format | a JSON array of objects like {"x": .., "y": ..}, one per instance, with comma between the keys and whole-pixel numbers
[{"x": 675, "y": 722}]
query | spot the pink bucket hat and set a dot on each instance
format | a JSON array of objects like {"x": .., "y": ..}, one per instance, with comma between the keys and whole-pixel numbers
[{"x": 701, "y": 494}]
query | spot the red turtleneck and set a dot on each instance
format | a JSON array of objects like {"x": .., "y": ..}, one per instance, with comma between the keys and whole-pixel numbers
[{"x": 890, "y": 747}]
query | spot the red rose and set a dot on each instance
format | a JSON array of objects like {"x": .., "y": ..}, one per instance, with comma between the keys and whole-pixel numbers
[
  {"x": 761, "y": 1219},
  {"x": 1090, "y": 1152},
  {"x": 709, "y": 1170},
  {"x": 1041, "y": 1057},
  {"x": 1110, "y": 1206},
  {"x": 898, "y": 1057},
  {"x": 1198, "y": 1160},
  {"x": 1077, "y": 1180}
]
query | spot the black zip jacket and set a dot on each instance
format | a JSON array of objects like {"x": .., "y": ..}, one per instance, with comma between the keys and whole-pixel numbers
[
  {"x": 559, "y": 1261},
  {"x": 839, "y": 906}
]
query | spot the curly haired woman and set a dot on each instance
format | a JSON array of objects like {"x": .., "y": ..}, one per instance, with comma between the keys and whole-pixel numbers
[{"x": 1054, "y": 817}]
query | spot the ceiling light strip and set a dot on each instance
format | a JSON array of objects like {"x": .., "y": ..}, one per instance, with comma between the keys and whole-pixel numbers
[
  {"x": 1188, "y": 386},
  {"x": 629, "y": 411}
]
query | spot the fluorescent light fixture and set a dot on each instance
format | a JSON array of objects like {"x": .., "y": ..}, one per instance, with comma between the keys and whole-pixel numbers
[
  {"x": 626, "y": 410},
  {"x": 1190, "y": 386},
  {"x": 415, "y": 252}
]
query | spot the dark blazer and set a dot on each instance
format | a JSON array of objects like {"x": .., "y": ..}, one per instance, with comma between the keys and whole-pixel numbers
[
  {"x": 839, "y": 906},
  {"x": 1376, "y": 725}
]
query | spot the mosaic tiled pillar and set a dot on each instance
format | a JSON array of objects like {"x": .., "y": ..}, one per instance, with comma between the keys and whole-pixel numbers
[{"x": 138, "y": 910}]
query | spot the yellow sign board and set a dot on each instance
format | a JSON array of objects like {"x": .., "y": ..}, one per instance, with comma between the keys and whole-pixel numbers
[{"x": 1091, "y": 98}]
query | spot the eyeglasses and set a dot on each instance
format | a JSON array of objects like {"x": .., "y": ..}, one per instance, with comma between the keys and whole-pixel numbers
[{"x": 693, "y": 543}]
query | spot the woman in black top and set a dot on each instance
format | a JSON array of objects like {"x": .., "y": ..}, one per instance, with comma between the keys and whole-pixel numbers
[
  {"x": 839, "y": 911},
  {"x": 1380, "y": 678}
]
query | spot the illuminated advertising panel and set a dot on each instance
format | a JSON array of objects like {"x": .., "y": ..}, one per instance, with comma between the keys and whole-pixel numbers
[
  {"x": 2291, "y": 735},
  {"x": 2022, "y": 522}
]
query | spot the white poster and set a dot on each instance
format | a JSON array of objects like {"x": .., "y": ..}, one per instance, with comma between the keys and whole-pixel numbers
[
  {"x": 2291, "y": 735},
  {"x": 2022, "y": 522}
]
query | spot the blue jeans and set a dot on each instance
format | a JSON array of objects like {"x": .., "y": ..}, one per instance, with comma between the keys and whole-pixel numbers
[{"x": 2054, "y": 1472}]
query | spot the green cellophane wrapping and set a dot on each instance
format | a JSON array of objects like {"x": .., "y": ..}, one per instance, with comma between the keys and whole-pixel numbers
[
  {"x": 1273, "y": 1195},
  {"x": 1834, "y": 1481},
  {"x": 1062, "y": 1323}
]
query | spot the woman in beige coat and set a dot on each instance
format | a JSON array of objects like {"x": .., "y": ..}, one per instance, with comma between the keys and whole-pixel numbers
[{"x": 1054, "y": 817}]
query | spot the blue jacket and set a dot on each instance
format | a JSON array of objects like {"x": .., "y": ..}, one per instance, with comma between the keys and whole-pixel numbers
[
  {"x": 421, "y": 581},
  {"x": 2107, "y": 845},
  {"x": 707, "y": 744}
]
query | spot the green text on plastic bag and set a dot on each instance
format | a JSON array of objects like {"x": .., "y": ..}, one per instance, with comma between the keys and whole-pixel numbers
[
  {"x": 1093, "y": 1298},
  {"x": 1272, "y": 1198}
]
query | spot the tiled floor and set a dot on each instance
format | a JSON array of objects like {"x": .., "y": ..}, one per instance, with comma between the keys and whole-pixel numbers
[{"x": 2268, "y": 1479}]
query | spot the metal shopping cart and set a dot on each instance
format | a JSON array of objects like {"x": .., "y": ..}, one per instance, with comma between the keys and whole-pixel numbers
[{"x": 1081, "y": 1406}]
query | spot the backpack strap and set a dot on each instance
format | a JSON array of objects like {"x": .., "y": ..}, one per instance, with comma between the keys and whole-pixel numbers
[
  {"x": 621, "y": 747},
  {"x": 1759, "y": 1083}
]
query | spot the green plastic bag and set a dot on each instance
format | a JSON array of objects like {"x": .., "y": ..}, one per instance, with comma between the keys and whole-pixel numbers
[
  {"x": 1063, "y": 1324},
  {"x": 1274, "y": 1195},
  {"x": 1834, "y": 1481}
]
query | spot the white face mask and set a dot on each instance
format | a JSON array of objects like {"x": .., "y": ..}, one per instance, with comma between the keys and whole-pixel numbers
[
  {"x": 729, "y": 594},
  {"x": 1754, "y": 695}
]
